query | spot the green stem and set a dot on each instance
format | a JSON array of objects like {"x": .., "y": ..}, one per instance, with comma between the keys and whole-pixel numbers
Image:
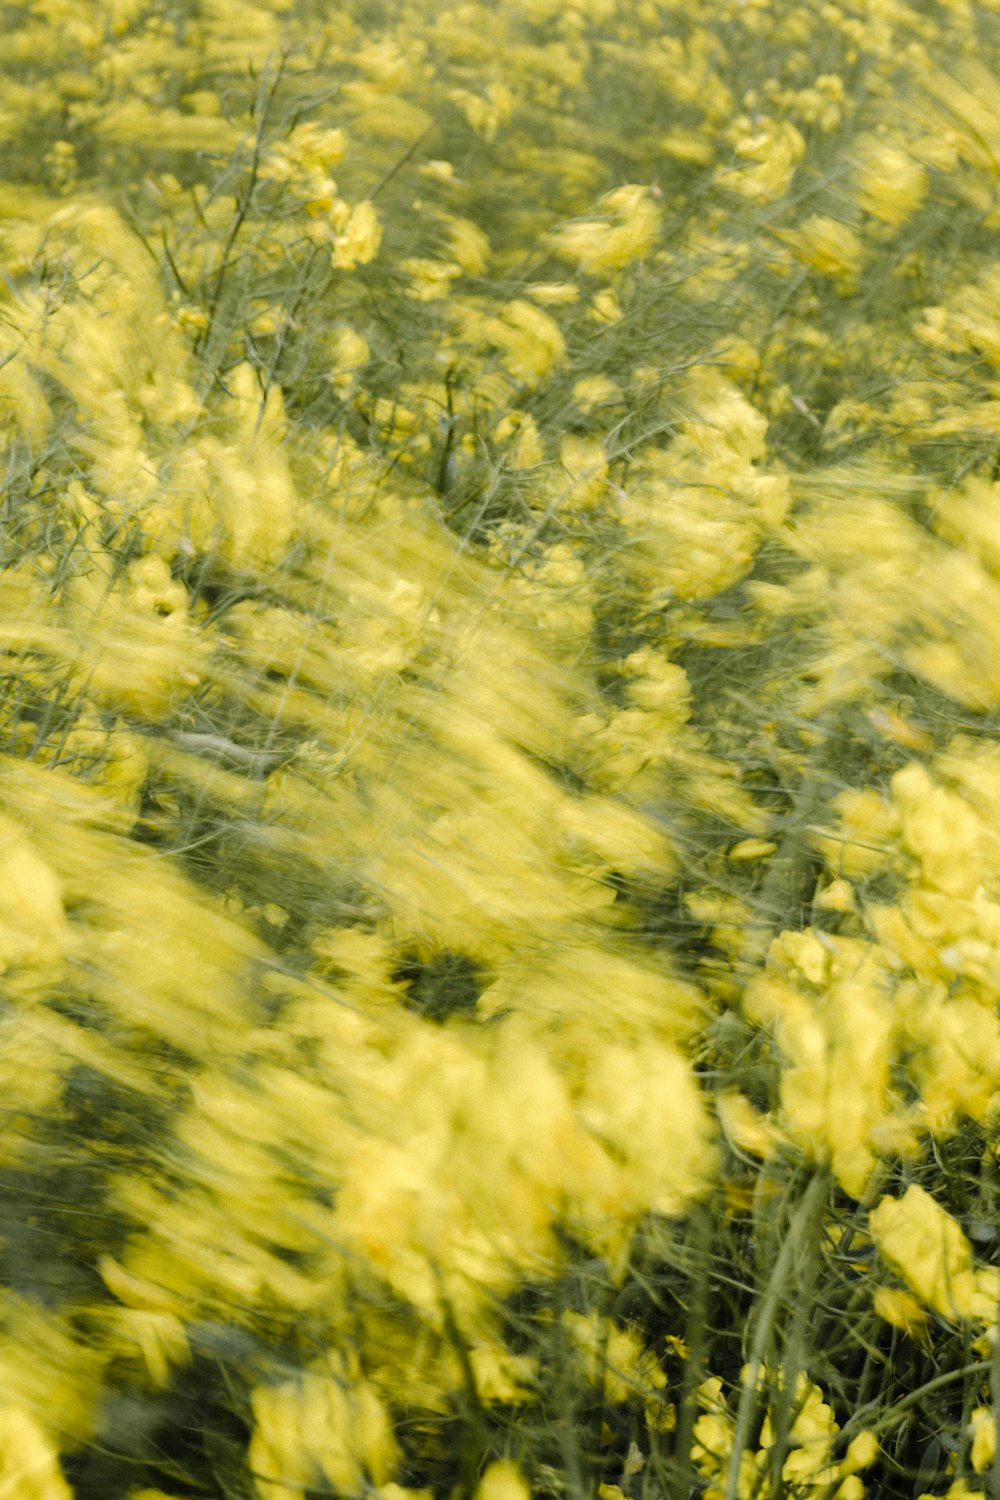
[{"x": 801, "y": 1221}]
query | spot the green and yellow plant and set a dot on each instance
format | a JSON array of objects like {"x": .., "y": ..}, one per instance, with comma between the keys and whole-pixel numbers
[{"x": 499, "y": 792}]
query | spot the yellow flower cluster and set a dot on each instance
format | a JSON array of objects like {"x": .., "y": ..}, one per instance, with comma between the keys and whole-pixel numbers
[
  {"x": 697, "y": 508},
  {"x": 627, "y": 230},
  {"x": 808, "y": 1467},
  {"x": 920, "y": 1241}
]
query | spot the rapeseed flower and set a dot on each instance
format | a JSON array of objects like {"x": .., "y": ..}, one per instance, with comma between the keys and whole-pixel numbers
[
  {"x": 920, "y": 1241},
  {"x": 30, "y": 1464},
  {"x": 827, "y": 246},
  {"x": 420, "y": 711},
  {"x": 356, "y": 243},
  {"x": 984, "y": 1439},
  {"x": 627, "y": 230},
  {"x": 889, "y": 183},
  {"x": 767, "y": 153},
  {"x": 503, "y": 1480}
]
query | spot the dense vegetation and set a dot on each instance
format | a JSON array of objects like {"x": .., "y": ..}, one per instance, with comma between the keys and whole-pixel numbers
[{"x": 499, "y": 759}]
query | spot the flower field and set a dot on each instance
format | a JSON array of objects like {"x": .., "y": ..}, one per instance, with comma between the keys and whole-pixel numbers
[{"x": 500, "y": 750}]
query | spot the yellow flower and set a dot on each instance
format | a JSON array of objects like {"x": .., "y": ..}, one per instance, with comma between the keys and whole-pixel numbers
[
  {"x": 158, "y": 1336},
  {"x": 861, "y": 1453},
  {"x": 771, "y": 151},
  {"x": 838, "y": 896},
  {"x": 627, "y": 230},
  {"x": 521, "y": 431},
  {"x": 983, "y": 1429},
  {"x": 862, "y": 843},
  {"x": 29, "y": 1465},
  {"x": 530, "y": 339},
  {"x": 745, "y": 1128},
  {"x": 501, "y": 1376},
  {"x": 485, "y": 112},
  {"x": 553, "y": 293},
  {"x": 605, "y": 307},
  {"x": 688, "y": 146},
  {"x": 594, "y": 391},
  {"x": 430, "y": 280},
  {"x": 970, "y": 96},
  {"x": 748, "y": 850},
  {"x": 902, "y": 1310},
  {"x": 923, "y": 1244},
  {"x": 827, "y": 246},
  {"x": 321, "y": 1427},
  {"x": 349, "y": 353},
  {"x": 503, "y": 1480},
  {"x": 467, "y": 244},
  {"x": 940, "y": 829},
  {"x": 889, "y": 184},
  {"x": 358, "y": 242},
  {"x": 616, "y": 1357},
  {"x": 833, "y": 1022},
  {"x": 33, "y": 924},
  {"x": 586, "y": 464}
]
